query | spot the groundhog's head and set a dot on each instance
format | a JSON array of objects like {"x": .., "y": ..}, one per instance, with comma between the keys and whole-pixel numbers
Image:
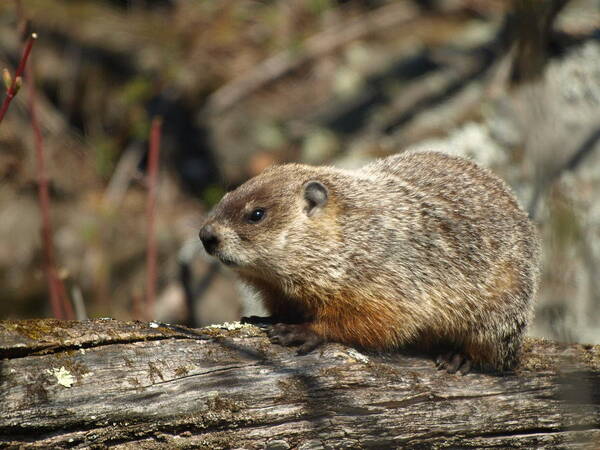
[{"x": 252, "y": 228}]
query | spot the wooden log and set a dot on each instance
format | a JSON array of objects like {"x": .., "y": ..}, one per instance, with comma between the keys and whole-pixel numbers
[{"x": 105, "y": 383}]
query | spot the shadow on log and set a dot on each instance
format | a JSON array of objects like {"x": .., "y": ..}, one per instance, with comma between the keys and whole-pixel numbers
[{"x": 130, "y": 384}]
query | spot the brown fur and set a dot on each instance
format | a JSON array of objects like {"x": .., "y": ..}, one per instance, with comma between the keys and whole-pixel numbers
[{"x": 416, "y": 249}]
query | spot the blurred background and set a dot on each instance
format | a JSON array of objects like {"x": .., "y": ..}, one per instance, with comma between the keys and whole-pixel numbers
[{"x": 242, "y": 84}]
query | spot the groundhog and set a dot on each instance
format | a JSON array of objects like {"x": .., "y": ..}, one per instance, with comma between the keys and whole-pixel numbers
[{"x": 421, "y": 250}]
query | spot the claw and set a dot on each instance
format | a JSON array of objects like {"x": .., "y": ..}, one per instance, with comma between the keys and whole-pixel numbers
[
  {"x": 441, "y": 361},
  {"x": 295, "y": 334},
  {"x": 311, "y": 344},
  {"x": 466, "y": 367},
  {"x": 453, "y": 362}
]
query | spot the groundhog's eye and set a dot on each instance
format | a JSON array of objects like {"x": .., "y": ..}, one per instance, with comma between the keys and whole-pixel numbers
[{"x": 256, "y": 215}]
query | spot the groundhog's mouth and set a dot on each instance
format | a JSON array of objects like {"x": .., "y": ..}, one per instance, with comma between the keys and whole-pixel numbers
[{"x": 225, "y": 260}]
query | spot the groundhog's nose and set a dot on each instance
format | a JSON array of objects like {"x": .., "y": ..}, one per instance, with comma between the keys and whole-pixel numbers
[{"x": 209, "y": 238}]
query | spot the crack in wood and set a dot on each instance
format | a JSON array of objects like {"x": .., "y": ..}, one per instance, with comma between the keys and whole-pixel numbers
[{"x": 41, "y": 350}]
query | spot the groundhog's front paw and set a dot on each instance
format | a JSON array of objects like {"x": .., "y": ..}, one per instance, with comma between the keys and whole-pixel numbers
[
  {"x": 295, "y": 334},
  {"x": 452, "y": 362}
]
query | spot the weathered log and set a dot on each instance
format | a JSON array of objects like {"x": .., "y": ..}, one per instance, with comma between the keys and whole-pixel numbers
[{"x": 129, "y": 384}]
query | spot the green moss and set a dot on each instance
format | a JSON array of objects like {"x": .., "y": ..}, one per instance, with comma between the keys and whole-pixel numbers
[
  {"x": 154, "y": 372},
  {"x": 134, "y": 382},
  {"x": 218, "y": 404},
  {"x": 181, "y": 371},
  {"x": 293, "y": 389},
  {"x": 40, "y": 330}
]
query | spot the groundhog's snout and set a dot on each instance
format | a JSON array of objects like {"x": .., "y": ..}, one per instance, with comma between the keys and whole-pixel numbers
[{"x": 209, "y": 238}]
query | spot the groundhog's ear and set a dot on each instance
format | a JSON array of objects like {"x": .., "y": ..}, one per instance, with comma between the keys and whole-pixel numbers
[{"x": 315, "y": 196}]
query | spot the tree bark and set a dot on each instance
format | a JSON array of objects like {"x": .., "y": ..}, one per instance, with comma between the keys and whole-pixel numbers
[{"x": 105, "y": 383}]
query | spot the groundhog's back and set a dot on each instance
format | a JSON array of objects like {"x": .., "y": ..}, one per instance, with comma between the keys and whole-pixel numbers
[{"x": 461, "y": 264}]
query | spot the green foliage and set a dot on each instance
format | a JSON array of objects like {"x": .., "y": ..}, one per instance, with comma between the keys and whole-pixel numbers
[
  {"x": 137, "y": 90},
  {"x": 105, "y": 156},
  {"x": 140, "y": 123},
  {"x": 212, "y": 194},
  {"x": 318, "y": 6}
]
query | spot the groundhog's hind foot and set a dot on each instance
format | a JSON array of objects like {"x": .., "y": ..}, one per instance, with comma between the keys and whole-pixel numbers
[
  {"x": 452, "y": 362},
  {"x": 295, "y": 334}
]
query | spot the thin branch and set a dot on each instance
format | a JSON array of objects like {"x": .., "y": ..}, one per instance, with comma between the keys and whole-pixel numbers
[
  {"x": 123, "y": 174},
  {"x": 61, "y": 306},
  {"x": 13, "y": 88},
  {"x": 151, "y": 213}
]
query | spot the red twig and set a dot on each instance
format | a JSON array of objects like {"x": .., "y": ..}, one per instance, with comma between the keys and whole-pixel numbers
[
  {"x": 150, "y": 215},
  {"x": 61, "y": 306},
  {"x": 12, "y": 90}
]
